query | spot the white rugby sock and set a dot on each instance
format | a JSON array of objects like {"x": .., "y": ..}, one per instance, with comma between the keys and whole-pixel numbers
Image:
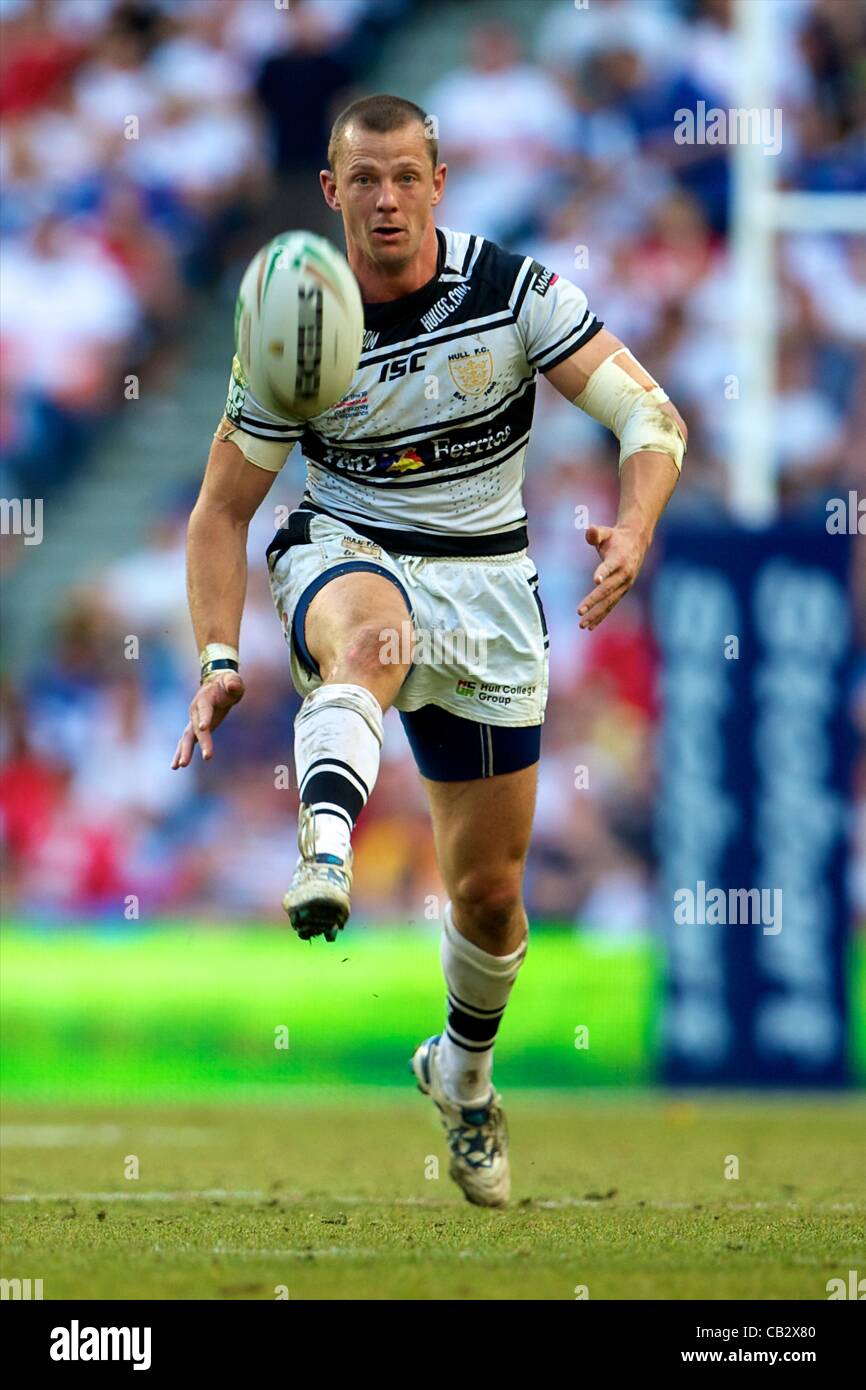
[
  {"x": 338, "y": 735},
  {"x": 478, "y": 988}
]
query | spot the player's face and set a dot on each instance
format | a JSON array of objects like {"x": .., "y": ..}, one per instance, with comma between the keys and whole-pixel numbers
[{"x": 385, "y": 187}]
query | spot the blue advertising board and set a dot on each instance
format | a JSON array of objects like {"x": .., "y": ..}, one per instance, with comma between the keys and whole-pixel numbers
[{"x": 755, "y": 763}]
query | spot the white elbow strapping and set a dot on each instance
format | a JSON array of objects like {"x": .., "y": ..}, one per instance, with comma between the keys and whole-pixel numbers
[
  {"x": 270, "y": 454},
  {"x": 631, "y": 411}
]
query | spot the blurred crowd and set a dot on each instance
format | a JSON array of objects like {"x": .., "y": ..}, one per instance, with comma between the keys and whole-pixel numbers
[
  {"x": 137, "y": 141},
  {"x": 143, "y": 144}
]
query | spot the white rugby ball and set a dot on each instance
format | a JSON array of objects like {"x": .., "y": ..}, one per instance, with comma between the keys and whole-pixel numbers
[{"x": 299, "y": 325}]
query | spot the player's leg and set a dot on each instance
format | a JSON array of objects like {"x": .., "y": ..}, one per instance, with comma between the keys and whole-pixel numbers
[
  {"x": 338, "y": 731},
  {"x": 353, "y": 633},
  {"x": 343, "y": 629},
  {"x": 482, "y": 830},
  {"x": 481, "y": 823}
]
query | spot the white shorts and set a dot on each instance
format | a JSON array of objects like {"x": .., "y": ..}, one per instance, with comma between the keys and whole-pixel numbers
[{"x": 481, "y": 642}]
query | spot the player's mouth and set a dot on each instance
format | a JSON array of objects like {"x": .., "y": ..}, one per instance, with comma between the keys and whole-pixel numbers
[{"x": 387, "y": 234}]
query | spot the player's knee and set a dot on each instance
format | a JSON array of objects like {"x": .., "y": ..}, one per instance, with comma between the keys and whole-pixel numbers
[
  {"x": 375, "y": 650},
  {"x": 489, "y": 897}
]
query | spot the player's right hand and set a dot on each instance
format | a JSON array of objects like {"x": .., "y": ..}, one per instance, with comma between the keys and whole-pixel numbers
[{"x": 211, "y": 704}]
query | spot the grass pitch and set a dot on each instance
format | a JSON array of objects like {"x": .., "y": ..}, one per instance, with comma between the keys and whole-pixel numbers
[{"x": 337, "y": 1197}]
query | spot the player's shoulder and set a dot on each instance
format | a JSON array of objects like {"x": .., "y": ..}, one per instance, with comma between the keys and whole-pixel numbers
[
  {"x": 243, "y": 410},
  {"x": 509, "y": 275}
]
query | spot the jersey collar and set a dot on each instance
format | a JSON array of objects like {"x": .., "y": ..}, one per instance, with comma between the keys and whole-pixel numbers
[{"x": 408, "y": 306}]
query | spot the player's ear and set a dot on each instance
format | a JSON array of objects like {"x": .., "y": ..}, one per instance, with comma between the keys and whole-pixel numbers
[
  {"x": 439, "y": 176},
  {"x": 329, "y": 188}
]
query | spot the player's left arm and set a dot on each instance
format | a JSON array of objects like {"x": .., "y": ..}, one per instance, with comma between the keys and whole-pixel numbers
[{"x": 606, "y": 381}]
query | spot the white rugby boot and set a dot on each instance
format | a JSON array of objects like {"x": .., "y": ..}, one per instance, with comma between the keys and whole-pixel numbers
[
  {"x": 477, "y": 1134},
  {"x": 320, "y": 898}
]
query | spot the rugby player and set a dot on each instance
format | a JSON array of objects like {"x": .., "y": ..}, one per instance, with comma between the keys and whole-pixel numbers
[{"x": 412, "y": 521}]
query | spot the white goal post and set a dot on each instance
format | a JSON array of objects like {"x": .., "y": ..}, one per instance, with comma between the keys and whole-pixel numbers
[{"x": 760, "y": 211}]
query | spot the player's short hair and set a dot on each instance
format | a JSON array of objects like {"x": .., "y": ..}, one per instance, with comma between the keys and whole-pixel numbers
[{"x": 381, "y": 113}]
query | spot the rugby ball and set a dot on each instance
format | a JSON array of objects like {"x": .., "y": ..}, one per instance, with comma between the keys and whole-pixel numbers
[{"x": 299, "y": 325}]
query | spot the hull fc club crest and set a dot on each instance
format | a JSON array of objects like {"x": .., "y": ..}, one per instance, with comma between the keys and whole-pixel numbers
[{"x": 471, "y": 372}]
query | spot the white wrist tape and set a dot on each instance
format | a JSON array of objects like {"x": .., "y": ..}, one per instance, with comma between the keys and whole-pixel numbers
[
  {"x": 270, "y": 454},
  {"x": 215, "y": 651},
  {"x": 216, "y": 659},
  {"x": 632, "y": 411}
]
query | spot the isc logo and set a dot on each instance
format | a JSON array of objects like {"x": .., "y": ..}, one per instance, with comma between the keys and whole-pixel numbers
[{"x": 391, "y": 371}]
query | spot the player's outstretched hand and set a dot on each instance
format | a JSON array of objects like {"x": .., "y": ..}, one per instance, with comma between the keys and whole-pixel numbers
[
  {"x": 622, "y": 553},
  {"x": 211, "y": 704}
]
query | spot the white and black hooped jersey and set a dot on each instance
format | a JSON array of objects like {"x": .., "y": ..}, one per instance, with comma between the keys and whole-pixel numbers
[{"x": 431, "y": 437}]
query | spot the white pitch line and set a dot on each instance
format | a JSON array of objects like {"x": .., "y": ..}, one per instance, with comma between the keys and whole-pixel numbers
[
  {"x": 220, "y": 1194},
  {"x": 209, "y": 1194},
  {"x": 83, "y": 1136},
  {"x": 347, "y": 1251},
  {"x": 556, "y": 1204},
  {"x": 333, "y": 1251},
  {"x": 56, "y": 1136}
]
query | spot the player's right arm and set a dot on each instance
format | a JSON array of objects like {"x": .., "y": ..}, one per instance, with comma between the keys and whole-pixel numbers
[
  {"x": 231, "y": 493},
  {"x": 249, "y": 449}
]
